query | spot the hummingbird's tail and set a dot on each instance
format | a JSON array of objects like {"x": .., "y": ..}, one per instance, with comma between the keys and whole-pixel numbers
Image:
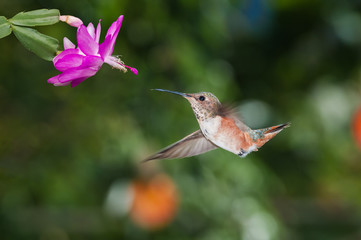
[{"x": 261, "y": 136}]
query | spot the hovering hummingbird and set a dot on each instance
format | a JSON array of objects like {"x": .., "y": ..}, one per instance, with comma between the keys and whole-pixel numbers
[{"x": 220, "y": 127}]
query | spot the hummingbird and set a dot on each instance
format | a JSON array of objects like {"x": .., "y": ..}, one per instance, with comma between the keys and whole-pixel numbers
[{"x": 220, "y": 127}]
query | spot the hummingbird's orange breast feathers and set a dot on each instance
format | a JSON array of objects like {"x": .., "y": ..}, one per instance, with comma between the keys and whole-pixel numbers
[{"x": 231, "y": 137}]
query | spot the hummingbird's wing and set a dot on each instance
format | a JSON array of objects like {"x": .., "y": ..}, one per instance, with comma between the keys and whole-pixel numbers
[
  {"x": 230, "y": 111},
  {"x": 191, "y": 145}
]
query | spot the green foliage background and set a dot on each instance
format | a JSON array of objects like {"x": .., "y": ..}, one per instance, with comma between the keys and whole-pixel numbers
[{"x": 62, "y": 148}]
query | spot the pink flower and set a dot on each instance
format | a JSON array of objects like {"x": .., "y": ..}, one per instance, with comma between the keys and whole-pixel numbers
[{"x": 78, "y": 64}]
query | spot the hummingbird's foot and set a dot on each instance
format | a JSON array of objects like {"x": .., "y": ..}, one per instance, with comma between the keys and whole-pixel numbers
[{"x": 242, "y": 153}]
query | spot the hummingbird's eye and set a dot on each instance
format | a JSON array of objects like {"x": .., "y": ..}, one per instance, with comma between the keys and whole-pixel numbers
[{"x": 202, "y": 98}]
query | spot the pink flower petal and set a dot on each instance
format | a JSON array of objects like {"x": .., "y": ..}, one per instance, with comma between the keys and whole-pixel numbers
[
  {"x": 97, "y": 35},
  {"x": 89, "y": 67},
  {"x": 69, "y": 61},
  {"x": 92, "y": 62},
  {"x": 73, "y": 74},
  {"x": 54, "y": 79},
  {"x": 114, "y": 28},
  {"x": 86, "y": 42},
  {"x": 64, "y": 53},
  {"x": 91, "y": 30},
  {"x": 105, "y": 49},
  {"x": 68, "y": 44},
  {"x": 77, "y": 81},
  {"x": 56, "y": 83},
  {"x": 61, "y": 84}
]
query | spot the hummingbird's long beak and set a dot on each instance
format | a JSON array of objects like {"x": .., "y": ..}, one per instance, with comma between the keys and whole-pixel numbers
[{"x": 178, "y": 93}]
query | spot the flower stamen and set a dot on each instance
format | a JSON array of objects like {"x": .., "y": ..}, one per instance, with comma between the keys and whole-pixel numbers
[{"x": 134, "y": 70}]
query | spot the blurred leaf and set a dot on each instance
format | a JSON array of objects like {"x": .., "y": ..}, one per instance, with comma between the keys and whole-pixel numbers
[
  {"x": 40, "y": 44},
  {"x": 39, "y": 17},
  {"x": 5, "y": 29}
]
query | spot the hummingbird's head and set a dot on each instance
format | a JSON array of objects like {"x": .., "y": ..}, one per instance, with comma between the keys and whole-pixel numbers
[{"x": 204, "y": 104}]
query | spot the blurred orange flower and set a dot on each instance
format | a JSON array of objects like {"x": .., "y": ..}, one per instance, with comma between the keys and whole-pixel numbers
[{"x": 155, "y": 202}]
